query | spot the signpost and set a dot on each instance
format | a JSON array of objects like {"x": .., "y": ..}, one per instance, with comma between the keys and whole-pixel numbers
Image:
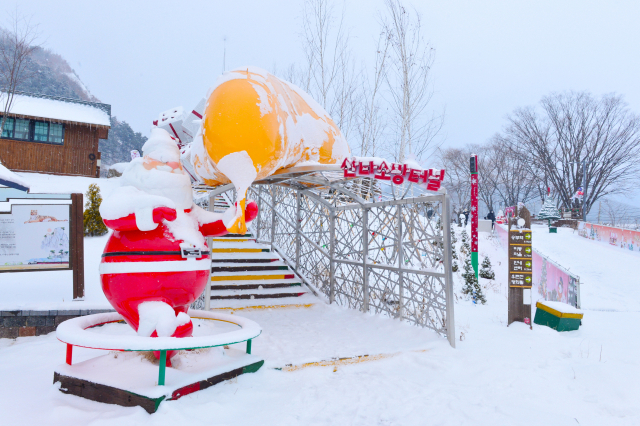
[
  {"x": 474, "y": 212},
  {"x": 520, "y": 267}
]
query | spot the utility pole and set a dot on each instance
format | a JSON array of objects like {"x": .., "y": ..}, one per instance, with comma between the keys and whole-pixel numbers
[
  {"x": 584, "y": 190},
  {"x": 224, "y": 55}
]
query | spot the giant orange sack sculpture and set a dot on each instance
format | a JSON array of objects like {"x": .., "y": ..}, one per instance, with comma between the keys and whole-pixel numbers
[{"x": 255, "y": 124}]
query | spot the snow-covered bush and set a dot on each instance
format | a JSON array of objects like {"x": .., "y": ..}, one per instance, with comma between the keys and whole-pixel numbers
[
  {"x": 549, "y": 211},
  {"x": 471, "y": 285},
  {"x": 465, "y": 248},
  {"x": 486, "y": 271},
  {"x": 92, "y": 221}
]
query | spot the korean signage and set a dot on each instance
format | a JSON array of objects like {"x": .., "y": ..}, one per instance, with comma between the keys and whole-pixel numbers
[
  {"x": 431, "y": 179},
  {"x": 34, "y": 237},
  {"x": 520, "y": 258}
]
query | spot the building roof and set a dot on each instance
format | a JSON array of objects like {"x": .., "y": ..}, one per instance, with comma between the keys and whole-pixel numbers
[
  {"x": 59, "y": 108},
  {"x": 12, "y": 180}
]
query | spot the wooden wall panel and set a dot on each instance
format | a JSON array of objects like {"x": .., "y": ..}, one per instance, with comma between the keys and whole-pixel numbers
[{"x": 72, "y": 158}]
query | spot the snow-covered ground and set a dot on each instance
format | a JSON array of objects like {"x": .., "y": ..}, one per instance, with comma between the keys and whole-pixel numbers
[{"x": 497, "y": 375}]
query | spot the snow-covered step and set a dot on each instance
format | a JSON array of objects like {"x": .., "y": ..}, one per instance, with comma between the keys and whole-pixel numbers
[
  {"x": 253, "y": 286},
  {"x": 264, "y": 293},
  {"x": 234, "y": 238},
  {"x": 288, "y": 281},
  {"x": 257, "y": 257},
  {"x": 252, "y": 277},
  {"x": 278, "y": 274},
  {"x": 238, "y": 245},
  {"x": 222, "y": 249},
  {"x": 247, "y": 275},
  {"x": 250, "y": 262},
  {"x": 305, "y": 301},
  {"x": 249, "y": 267}
]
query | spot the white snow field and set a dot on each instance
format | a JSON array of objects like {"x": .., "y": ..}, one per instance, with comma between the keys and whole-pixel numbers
[{"x": 497, "y": 375}]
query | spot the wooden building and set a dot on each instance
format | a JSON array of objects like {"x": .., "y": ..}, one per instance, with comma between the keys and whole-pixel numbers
[{"x": 49, "y": 134}]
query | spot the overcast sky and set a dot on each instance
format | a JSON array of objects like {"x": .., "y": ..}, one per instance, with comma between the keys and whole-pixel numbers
[{"x": 143, "y": 57}]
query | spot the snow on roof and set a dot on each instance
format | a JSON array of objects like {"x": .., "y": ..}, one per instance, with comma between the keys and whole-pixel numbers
[
  {"x": 57, "y": 108},
  {"x": 12, "y": 180}
]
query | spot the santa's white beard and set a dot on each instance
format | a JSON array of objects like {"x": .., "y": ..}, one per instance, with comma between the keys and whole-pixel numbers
[{"x": 174, "y": 186}]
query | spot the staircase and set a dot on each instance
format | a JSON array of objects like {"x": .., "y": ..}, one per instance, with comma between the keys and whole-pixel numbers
[{"x": 247, "y": 275}]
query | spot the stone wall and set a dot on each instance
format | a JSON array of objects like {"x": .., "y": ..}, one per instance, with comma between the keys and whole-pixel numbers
[{"x": 35, "y": 323}]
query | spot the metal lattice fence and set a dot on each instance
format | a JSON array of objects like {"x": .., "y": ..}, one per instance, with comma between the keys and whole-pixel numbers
[{"x": 364, "y": 244}]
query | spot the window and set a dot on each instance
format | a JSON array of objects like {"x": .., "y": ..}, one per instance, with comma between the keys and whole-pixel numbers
[
  {"x": 33, "y": 131},
  {"x": 7, "y": 130},
  {"x": 56, "y": 130},
  {"x": 41, "y": 131},
  {"x": 21, "y": 130}
]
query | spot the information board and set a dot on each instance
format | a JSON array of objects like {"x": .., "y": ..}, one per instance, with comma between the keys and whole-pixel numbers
[{"x": 35, "y": 237}]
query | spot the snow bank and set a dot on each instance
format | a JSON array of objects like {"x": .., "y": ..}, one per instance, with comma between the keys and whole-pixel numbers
[{"x": 560, "y": 307}]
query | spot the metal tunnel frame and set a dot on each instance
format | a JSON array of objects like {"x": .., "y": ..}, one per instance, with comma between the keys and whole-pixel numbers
[{"x": 362, "y": 243}]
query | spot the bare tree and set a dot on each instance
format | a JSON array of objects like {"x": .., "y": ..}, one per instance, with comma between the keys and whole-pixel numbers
[
  {"x": 371, "y": 121},
  {"x": 457, "y": 178},
  {"x": 17, "y": 44},
  {"x": 409, "y": 80},
  {"x": 570, "y": 128},
  {"x": 329, "y": 70},
  {"x": 507, "y": 175},
  {"x": 503, "y": 179}
]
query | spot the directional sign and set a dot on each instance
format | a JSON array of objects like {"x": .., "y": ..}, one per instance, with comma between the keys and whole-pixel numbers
[
  {"x": 520, "y": 265},
  {"x": 520, "y": 258}
]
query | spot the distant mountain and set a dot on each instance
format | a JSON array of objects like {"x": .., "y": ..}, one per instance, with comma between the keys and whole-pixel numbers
[{"x": 50, "y": 74}]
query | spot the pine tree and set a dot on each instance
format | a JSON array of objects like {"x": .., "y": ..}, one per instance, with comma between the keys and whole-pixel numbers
[
  {"x": 549, "y": 210},
  {"x": 93, "y": 224},
  {"x": 471, "y": 285},
  {"x": 466, "y": 248},
  {"x": 454, "y": 254},
  {"x": 469, "y": 277},
  {"x": 453, "y": 237},
  {"x": 486, "y": 271}
]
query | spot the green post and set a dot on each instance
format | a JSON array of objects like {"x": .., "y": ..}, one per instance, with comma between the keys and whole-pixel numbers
[
  {"x": 474, "y": 262},
  {"x": 163, "y": 366},
  {"x": 249, "y": 346}
]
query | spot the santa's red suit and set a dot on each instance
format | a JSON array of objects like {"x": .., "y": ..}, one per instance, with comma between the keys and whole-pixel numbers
[{"x": 153, "y": 218}]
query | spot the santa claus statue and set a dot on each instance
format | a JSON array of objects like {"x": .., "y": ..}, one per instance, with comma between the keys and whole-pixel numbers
[{"x": 156, "y": 262}]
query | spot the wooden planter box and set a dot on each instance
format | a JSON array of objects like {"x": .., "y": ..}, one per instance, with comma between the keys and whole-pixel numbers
[{"x": 559, "y": 321}]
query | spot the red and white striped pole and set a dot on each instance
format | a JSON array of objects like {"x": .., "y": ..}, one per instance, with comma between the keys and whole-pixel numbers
[{"x": 474, "y": 212}]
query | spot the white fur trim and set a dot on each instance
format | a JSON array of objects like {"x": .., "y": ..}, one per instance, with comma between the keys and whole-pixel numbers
[
  {"x": 144, "y": 219},
  {"x": 162, "y": 266}
]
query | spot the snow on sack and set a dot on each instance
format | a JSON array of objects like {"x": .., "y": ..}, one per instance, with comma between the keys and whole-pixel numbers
[
  {"x": 255, "y": 124},
  {"x": 159, "y": 317}
]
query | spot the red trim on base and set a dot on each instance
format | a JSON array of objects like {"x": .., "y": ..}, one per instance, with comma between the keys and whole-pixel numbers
[{"x": 69, "y": 353}]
